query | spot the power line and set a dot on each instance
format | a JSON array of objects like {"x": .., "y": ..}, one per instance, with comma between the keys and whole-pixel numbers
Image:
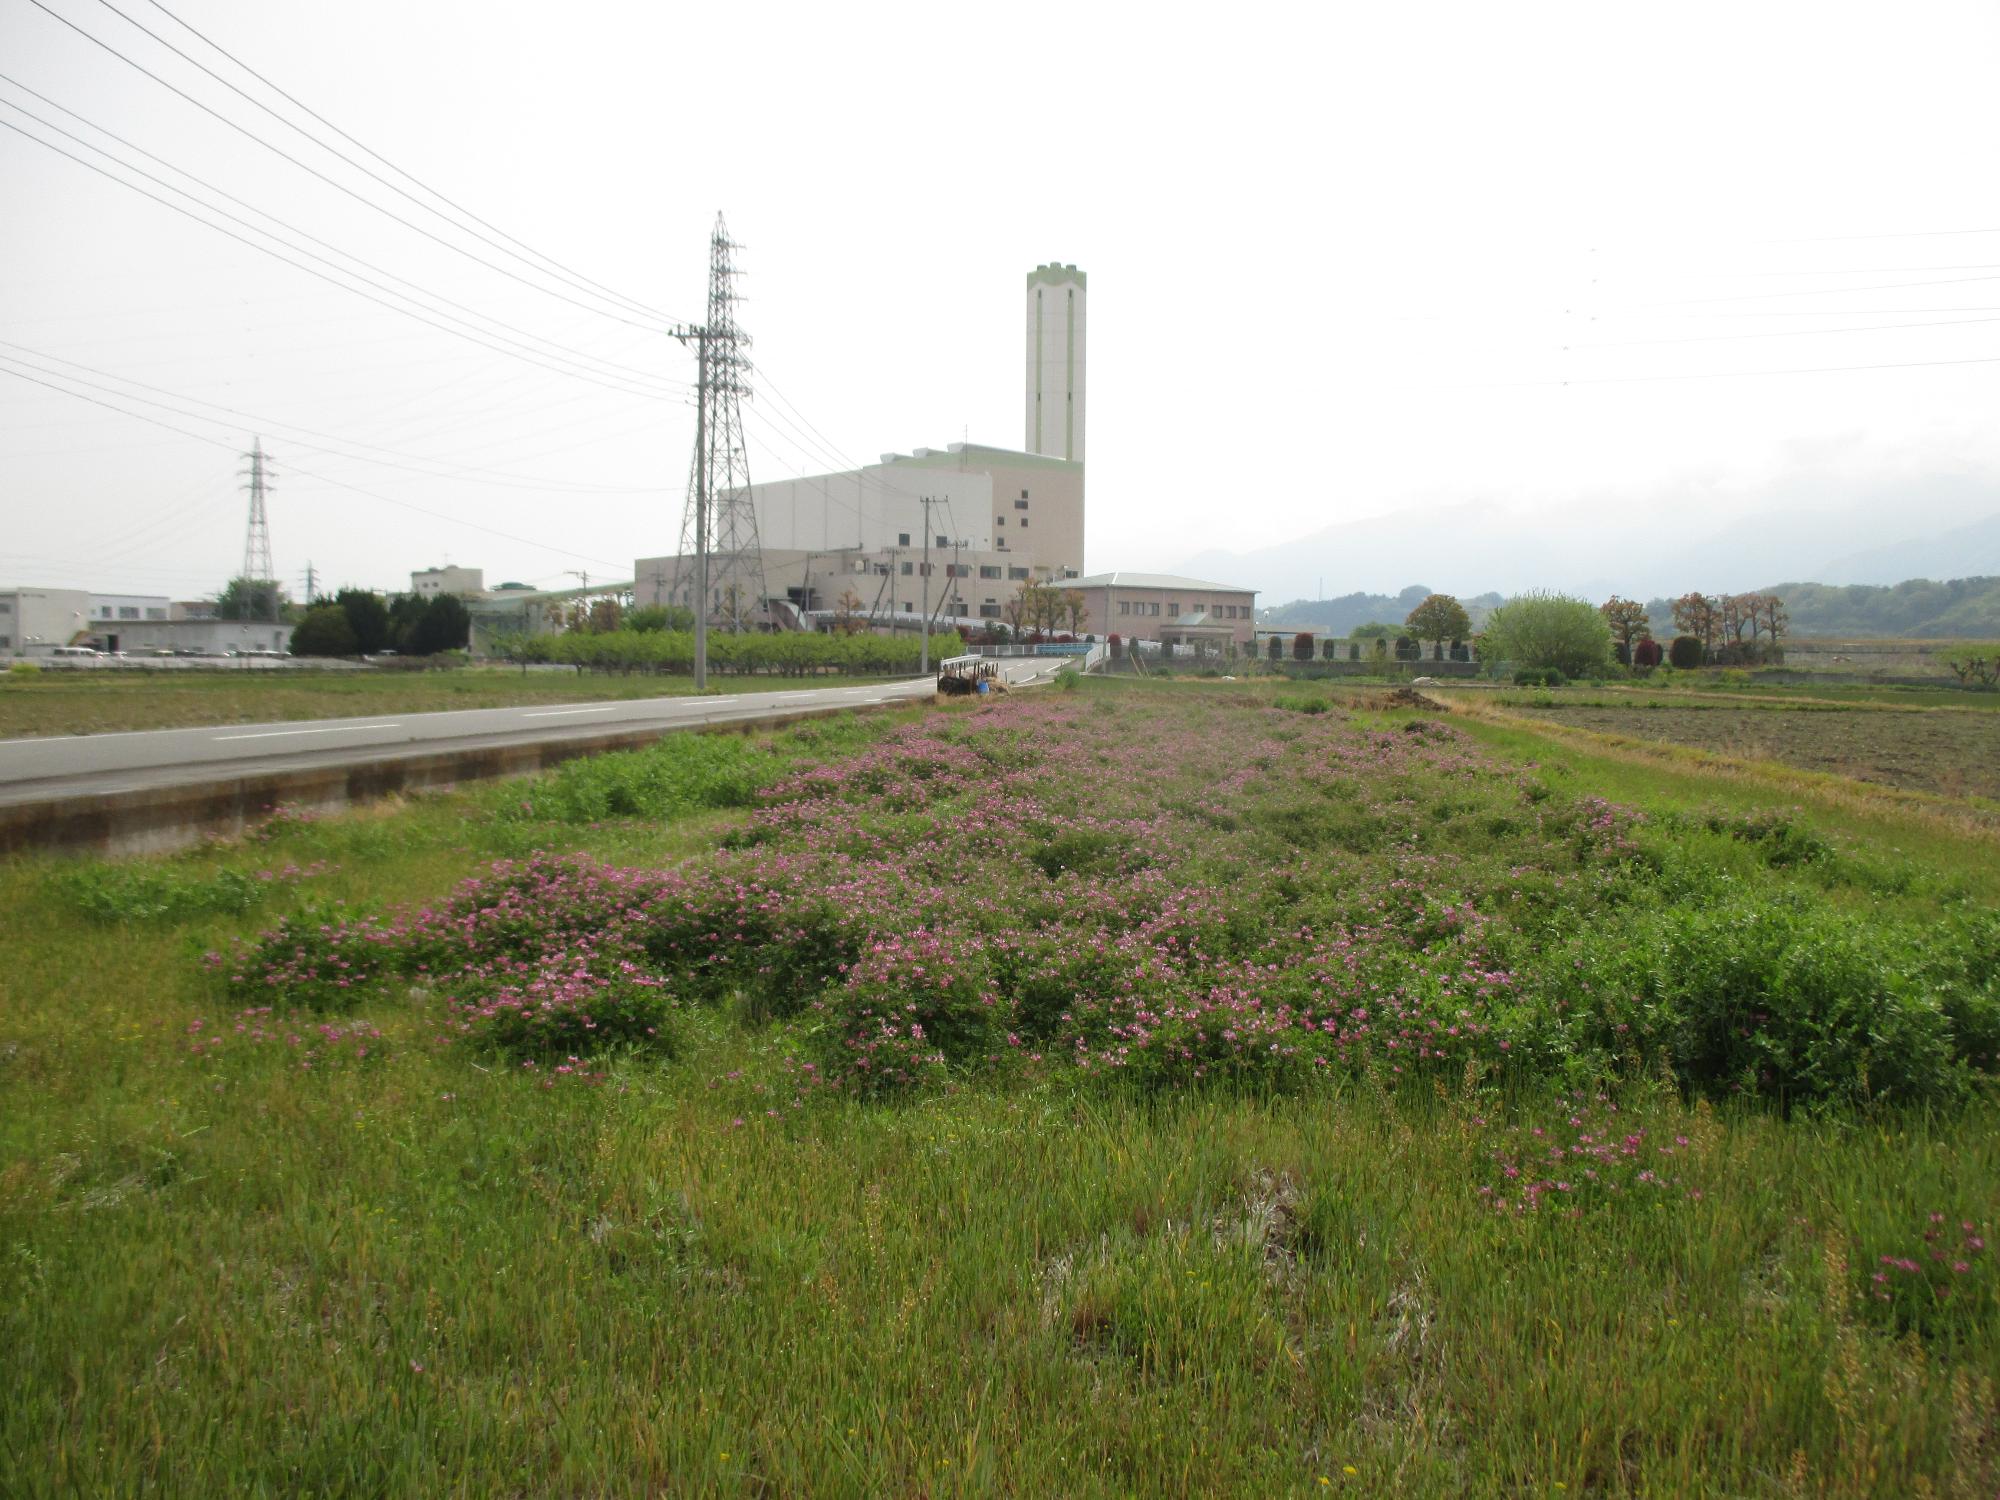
[
  {"x": 635, "y": 305},
  {"x": 331, "y": 182},
  {"x": 557, "y": 349},
  {"x": 468, "y": 473},
  {"x": 311, "y": 474},
  {"x": 1778, "y": 333},
  {"x": 321, "y": 275},
  {"x": 1824, "y": 291},
  {"x": 1912, "y": 364}
]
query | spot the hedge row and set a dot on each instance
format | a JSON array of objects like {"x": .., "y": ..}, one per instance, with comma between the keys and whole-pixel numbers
[{"x": 790, "y": 655}]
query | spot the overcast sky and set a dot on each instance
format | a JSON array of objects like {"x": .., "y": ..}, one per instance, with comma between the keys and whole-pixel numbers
[{"x": 1345, "y": 262}]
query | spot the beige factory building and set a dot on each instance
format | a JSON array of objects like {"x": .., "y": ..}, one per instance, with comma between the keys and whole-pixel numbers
[{"x": 996, "y": 517}]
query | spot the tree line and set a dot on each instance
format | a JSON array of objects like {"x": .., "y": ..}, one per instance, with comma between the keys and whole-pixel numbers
[
  {"x": 1558, "y": 633},
  {"x": 361, "y": 622}
]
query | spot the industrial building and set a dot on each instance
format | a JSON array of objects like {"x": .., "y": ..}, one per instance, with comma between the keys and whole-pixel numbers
[
  {"x": 34, "y": 622},
  {"x": 1169, "y": 609},
  {"x": 467, "y": 583},
  {"x": 993, "y": 517}
]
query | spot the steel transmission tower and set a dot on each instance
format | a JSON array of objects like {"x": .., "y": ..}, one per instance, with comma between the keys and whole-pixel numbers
[
  {"x": 258, "y": 573},
  {"x": 720, "y": 475}
]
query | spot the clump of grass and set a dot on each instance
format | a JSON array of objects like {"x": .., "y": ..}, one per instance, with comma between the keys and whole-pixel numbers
[
  {"x": 682, "y": 774},
  {"x": 115, "y": 893}
]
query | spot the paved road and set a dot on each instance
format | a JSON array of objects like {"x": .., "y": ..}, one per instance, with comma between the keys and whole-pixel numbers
[{"x": 43, "y": 769}]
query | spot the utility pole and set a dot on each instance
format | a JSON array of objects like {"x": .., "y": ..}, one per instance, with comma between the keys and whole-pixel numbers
[
  {"x": 925, "y": 668},
  {"x": 310, "y": 580}
]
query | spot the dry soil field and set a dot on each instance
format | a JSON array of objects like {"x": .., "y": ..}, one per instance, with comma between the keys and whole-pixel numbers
[{"x": 1956, "y": 753}]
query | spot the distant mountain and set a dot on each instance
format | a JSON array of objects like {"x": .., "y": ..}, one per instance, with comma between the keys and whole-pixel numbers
[
  {"x": 1960, "y": 609},
  {"x": 1964, "y": 550},
  {"x": 1855, "y": 531},
  {"x": 1916, "y": 608},
  {"x": 1338, "y": 616}
]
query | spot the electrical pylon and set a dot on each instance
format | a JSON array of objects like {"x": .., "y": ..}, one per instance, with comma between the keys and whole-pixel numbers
[
  {"x": 258, "y": 572},
  {"x": 720, "y": 473}
]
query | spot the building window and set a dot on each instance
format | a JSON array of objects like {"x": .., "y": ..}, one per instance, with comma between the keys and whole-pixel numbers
[
  {"x": 6, "y": 606},
  {"x": 1024, "y": 495},
  {"x": 1174, "y": 610},
  {"x": 1022, "y": 503},
  {"x": 156, "y": 614},
  {"x": 902, "y": 539},
  {"x": 1024, "y": 521},
  {"x": 909, "y": 608},
  {"x": 944, "y": 542},
  {"x": 1017, "y": 573},
  {"x": 989, "y": 611},
  {"x": 128, "y": 611},
  {"x": 1154, "y": 610},
  {"x": 908, "y": 568},
  {"x": 1124, "y": 606},
  {"x": 989, "y": 570},
  {"x": 999, "y": 520}
]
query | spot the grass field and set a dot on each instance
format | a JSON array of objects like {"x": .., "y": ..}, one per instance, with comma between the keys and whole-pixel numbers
[
  {"x": 53, "y": 703},
  {"x": 1156, "y": 1088}
]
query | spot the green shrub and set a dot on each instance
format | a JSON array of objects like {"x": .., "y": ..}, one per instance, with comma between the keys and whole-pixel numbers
[
  {"x": 1300, "y": 703},
  {"x": 1773, "y": 996},
  {"x": 1686, "y": 652},
  {"x": 141, "y": 893},
  {"x": 315, "y": 958},
  {"x": 914, "y": 1007},
  {"x": 1780, "y": 836},
  {"x": 682, "y": 774},
  {"x": 23, "y": 669},
  {"x": 564, "y": 1011},
  {"x": 1539, "y": 677},
  {"x": 1549, "y": 630}
]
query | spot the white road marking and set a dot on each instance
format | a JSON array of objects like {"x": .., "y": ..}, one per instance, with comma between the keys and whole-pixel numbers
[
  {"x": 272, "y": 734},
  {"x": 556, "y": 713}
]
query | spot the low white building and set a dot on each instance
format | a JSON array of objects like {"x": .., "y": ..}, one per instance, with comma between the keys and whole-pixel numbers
[
  {"x": 33, "y": 622},
  {"x": 113, "y": 616},
  {"x": 196, "y": 637}
]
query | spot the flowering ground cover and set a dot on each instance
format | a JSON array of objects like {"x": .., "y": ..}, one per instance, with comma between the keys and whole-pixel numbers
[{"x": 1149, "y": 1088}]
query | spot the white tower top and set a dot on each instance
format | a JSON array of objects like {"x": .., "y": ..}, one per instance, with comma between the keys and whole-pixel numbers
[{"x": 1055, "y": 362}]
